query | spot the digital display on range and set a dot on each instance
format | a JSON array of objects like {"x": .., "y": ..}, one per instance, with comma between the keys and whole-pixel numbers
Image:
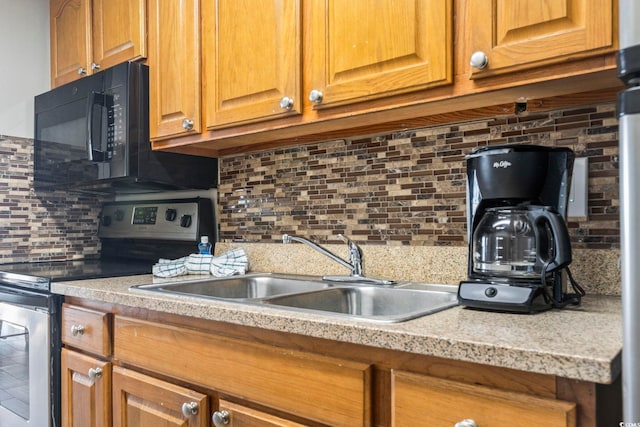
[{"x": 145, "y": 215}]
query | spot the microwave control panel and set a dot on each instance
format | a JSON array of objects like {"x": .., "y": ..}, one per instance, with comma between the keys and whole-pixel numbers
[{"x": 167, "y": 220}]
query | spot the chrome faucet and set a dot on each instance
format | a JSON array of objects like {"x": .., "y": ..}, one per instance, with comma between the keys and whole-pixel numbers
[{"x": 354, "y": 264}]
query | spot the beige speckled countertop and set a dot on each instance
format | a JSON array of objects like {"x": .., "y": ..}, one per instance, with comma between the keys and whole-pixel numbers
[{"x": 581, "y": 343}]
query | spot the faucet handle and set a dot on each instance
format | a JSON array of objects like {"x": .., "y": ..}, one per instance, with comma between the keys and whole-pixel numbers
[
  {"x": 349, "y": 242},
  {"x": 355, "y": 255},
  {"x": 344, "y": 238}
]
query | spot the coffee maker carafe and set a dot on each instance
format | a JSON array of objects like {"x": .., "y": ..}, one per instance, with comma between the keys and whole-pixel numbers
[
  {"x": 520, "y": 242},
  {"x": 519, "y": 245}
]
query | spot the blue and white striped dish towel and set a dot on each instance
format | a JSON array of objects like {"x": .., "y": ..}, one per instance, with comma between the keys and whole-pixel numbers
[{"x": 227, "y": 264}]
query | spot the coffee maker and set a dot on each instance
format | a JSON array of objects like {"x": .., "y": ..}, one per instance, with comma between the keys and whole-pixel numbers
[{"x": 519, "y": 247}]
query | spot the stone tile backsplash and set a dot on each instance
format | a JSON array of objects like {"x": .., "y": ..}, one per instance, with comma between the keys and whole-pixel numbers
[
  {"x": 400, "y": 189},
  {"x": 408, "y": 188},
  {"x": 41, "y": 226}
]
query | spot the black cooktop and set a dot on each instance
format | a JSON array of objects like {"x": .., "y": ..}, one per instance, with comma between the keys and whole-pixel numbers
[{"x": 39, "y": 275}]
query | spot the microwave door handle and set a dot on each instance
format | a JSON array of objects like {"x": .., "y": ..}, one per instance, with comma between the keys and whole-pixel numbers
[{"x": 94, "y": 98}]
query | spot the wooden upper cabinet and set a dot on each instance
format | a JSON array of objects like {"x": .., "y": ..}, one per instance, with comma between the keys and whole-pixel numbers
[
  {"x": 70, "y": 32},
  {"x": 91, "y": 35},
  {"x": 361, "y": 49},
  {"x": 517, "y": 35},
  {"x": 119, "y": 31},
  {"x": 174, "y": 68},
  {"x": 252, "y": 60}
]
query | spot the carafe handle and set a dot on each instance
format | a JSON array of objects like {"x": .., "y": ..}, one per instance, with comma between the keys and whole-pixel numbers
[{"x": 560, "y": 237}]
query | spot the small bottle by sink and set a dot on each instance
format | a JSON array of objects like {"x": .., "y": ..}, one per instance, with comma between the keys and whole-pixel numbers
[{"x": 204, "y": 247}]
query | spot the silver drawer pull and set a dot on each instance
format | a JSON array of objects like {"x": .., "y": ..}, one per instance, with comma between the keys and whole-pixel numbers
[
  {"x": 190, "y": 409},
  {"x": 221, "y": 418},
  {"x": 286, "y": 103},
  {"x": 95, "y": 373},
  {"x": 187, "y": 124},
  {"x": 479, "y": 60},
  {"x": 315, "y": 96},
  {"x": 77, "y": 330}
]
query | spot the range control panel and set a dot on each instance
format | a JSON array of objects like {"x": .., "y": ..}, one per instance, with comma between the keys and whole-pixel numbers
[{"x": 177, "y": 219}]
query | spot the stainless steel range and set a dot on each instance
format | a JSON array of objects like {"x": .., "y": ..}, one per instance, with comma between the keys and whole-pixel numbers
[{"x": 134, "y": 235}]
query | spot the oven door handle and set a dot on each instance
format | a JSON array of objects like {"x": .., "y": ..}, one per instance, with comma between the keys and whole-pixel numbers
[{"x": 21, "y": 297}]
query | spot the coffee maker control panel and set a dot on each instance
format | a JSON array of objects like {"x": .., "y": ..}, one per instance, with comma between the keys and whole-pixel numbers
[{"x": 497, "y": 296}]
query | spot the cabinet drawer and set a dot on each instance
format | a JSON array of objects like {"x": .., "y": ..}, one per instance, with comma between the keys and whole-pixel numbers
[
  {"x": 422, "y": 400},
  {"x": 86, "y": 329},
  {"x": 324, "y": 389}
]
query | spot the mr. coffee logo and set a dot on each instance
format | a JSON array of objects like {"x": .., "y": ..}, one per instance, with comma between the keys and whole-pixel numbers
[{"x": 502, "y": 164}]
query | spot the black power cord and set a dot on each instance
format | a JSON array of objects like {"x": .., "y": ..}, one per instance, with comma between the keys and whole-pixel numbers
[{"x": 567, "y": 298}]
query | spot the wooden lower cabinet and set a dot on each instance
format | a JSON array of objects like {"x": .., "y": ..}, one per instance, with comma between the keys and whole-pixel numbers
[
  {"x": 141, "y": 400},
  {"x": 420, "y": 400},
  {"x": 86, "y": 390},
  {"x": 170, "y": 370}
]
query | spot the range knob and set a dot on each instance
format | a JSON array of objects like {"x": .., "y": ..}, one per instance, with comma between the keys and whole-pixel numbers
[
  {"x": 185, "y": 221},
  {"x": 106, "y": 220},
  {"x": 170, "y": 214},
  {"x": 119, "y": 215}
]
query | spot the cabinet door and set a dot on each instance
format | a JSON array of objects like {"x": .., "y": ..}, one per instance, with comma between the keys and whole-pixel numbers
[
  {"x": 86, "y": 390},
  {"x": 422, "y": 400},
  {"x": 252, "y": 54},
  {"x": 235, "y": 415},
  {"x": 140, "y": 400},
  {"x": 518, "y": 34},
  {"x": 174, "y": 67},
  {"x": 70, "y": 32},
  {"x": 363, "y": 49},
  {"x": 119, "y": 31}
]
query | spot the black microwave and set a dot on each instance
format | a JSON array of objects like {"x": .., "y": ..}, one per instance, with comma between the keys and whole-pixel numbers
[{"x": 93, "y": 135}]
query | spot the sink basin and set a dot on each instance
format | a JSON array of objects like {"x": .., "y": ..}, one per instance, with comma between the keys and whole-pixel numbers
[
  {"x": 248, "y": 287},
  {"x": 387, "y": 305},
  {"x": 356, "y": 300}
]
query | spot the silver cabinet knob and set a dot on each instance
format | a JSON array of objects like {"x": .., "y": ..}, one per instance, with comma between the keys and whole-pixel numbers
[
  {"x": 221, "y": 418},
  {"x": 187, "y": 124},
  {"x": 286, "y": 103},
  {"x": 77, "y": 330},
  {"x": 466, "y": 423},
  {"x": 82, "y": 71},
  {"x": 190, "y": 409},
  {"x": 315, "y": 96},
  {"x": 95, "y": 66},
  {"x": 479, "y": 60},
  {"x": 95, "y": 373}
]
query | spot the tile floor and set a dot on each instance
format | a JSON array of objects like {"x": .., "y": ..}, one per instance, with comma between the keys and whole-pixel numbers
[{"x": 14, "y": 370}]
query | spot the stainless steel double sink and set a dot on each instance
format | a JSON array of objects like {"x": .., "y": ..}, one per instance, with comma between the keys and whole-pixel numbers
[{"x": 347, "y": 298}]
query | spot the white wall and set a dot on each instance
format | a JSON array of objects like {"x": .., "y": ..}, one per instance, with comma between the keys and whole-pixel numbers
[{"x": 24, "y": 62}]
